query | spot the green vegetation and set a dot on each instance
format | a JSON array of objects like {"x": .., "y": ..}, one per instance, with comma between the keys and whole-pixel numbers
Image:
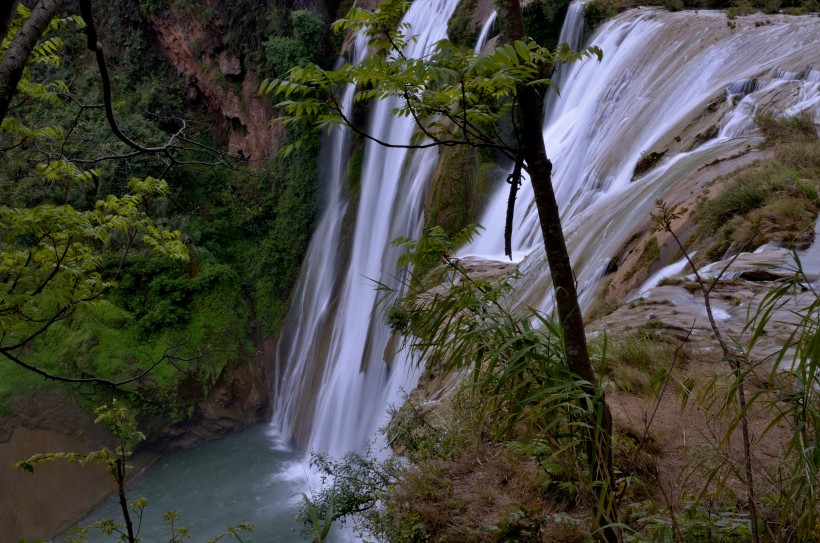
[
  {"x": 497, "y": 459},
  {"x": 451, "y": 202},
  {"x": 596, "y": 12},
  {"x": 255, "y": 31},
  {"x": 245, "y": 231},
  {"x": 786, "y": 499},
  {"x": 543, "y": 20},
  {"x": 460, "y": 29},
  {"x": 122, "y": 427},
  {"x": 636, "y": 359},
  {"x": 769, "y": 201},
  {"x": 298, "y": 49}
]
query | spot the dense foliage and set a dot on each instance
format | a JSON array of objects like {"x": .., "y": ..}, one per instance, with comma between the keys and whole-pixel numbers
[{"x": 244, "y": 229}]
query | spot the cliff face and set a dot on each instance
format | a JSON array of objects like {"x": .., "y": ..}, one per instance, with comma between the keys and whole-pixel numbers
[{"x": 218, "y": 80}]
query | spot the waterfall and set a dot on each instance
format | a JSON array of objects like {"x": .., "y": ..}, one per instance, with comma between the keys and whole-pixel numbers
[
  {"x": 334, "y": 378},
  {"x": 484, "y": 36},
  {"x": 572, "y": 32},
  {"x": 311, "y": 310},
  {"x": 661, "y": 72}
]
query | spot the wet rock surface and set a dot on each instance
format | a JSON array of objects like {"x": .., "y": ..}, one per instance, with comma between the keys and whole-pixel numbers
[
  {"x": 217, "y": 79},
  {"x": 677, "y": 305}
]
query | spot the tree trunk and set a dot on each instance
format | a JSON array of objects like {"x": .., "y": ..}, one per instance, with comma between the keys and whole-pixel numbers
[
  {"x": 599, "y": 444},
  {"x": 7, "y": 13},
  {"x": 14, "y": 62}
]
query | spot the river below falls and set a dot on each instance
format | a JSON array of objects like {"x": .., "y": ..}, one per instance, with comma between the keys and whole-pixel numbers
[{"x": 246, "y": 477}]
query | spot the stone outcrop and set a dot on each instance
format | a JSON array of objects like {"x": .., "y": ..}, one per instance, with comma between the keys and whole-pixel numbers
[
  {"x": 237, "y": 401},
  {"x": 217, "y": 78}
]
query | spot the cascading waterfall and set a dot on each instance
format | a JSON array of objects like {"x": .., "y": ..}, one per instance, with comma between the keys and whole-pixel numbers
[
  {"x": 311, "y": 310},
  {"x": 607, "y": 116},
  {"x": 333, "y": 379},
  {"x": 572, "y": 33},
  {"x": 484, "y": 36},
  {"x": 660, "y": 73}
]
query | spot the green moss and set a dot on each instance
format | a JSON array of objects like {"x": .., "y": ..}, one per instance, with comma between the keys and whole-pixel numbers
[
  {"x": 353, "y": 186},
  {"x": 650, "y": 254},
  {"x": 460, "y": 29},
  {"x": 451, "y": 199}
]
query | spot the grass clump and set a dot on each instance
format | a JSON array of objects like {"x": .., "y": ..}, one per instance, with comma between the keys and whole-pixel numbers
[
  {"x": 635, "y": 358},
  {"x": 786, "y": 129},
  {"x": 769, "y": 201},
  {"x": 460, "y": 29}
]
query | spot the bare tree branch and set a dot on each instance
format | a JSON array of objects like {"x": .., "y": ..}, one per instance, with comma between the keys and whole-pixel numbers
[{"x": 169, "y": 355}]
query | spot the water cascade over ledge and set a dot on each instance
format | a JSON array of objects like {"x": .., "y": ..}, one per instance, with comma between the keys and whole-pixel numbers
[
  {"x": 663, "y": 79},
  {"x": 664, "y": 76},
  {"x": 333, "y": 383}
]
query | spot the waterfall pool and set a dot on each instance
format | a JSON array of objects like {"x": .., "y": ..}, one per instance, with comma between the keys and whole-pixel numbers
[{"x": 245, "y": 477}]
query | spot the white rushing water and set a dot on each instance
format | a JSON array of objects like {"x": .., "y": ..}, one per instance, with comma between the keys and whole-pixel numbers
[
  {"x": 659, "y": 73},
  {"x": 484, "y": 36},
  {"x": 335, "y": 355}
]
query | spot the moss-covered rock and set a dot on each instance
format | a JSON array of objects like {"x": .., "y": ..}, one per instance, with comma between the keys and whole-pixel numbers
[{"x": 451, "y": 200}]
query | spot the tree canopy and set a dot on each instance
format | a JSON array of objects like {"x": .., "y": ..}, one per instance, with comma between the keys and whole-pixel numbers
[{"x": 51, "y": 250}]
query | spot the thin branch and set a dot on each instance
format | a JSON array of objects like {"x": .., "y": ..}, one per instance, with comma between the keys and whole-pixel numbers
[
  {"x": 733, "y": 359},
  {"x": 445, "y": 143},
  {"x": 57, "y": 316},
  {"x": 6, "y": 352},
  {"x": 15, "y": 146},
  {"x": 124, "y": 156},
  {"x": 57, "y": 265},
  {"x": 94, "y": 46}
]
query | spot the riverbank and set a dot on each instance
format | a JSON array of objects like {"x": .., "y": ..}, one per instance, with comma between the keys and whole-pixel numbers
[{"x": 56, "y": 496}]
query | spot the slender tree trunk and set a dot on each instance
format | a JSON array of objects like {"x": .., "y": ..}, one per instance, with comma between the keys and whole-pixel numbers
[
  {"x": 599, "y": 446},
  {"x": 13, "y": 63},
  {"x": 119, "y": 475}
]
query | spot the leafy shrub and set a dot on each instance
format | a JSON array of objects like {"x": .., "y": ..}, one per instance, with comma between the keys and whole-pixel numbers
[
  {"x": 775, "y": 200},
  {"x": 780, "y": 129},
  {"x": 543, "y": 20},
  {"x": 284, "y": 52},
  {"x": 459, "y": 29},
  {"x": 596, "y": 13}
]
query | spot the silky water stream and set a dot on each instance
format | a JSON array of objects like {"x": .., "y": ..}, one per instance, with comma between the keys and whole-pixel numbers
[
  {"x": 335, "y": 377},
  {"x": 660, "y": 72}
]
